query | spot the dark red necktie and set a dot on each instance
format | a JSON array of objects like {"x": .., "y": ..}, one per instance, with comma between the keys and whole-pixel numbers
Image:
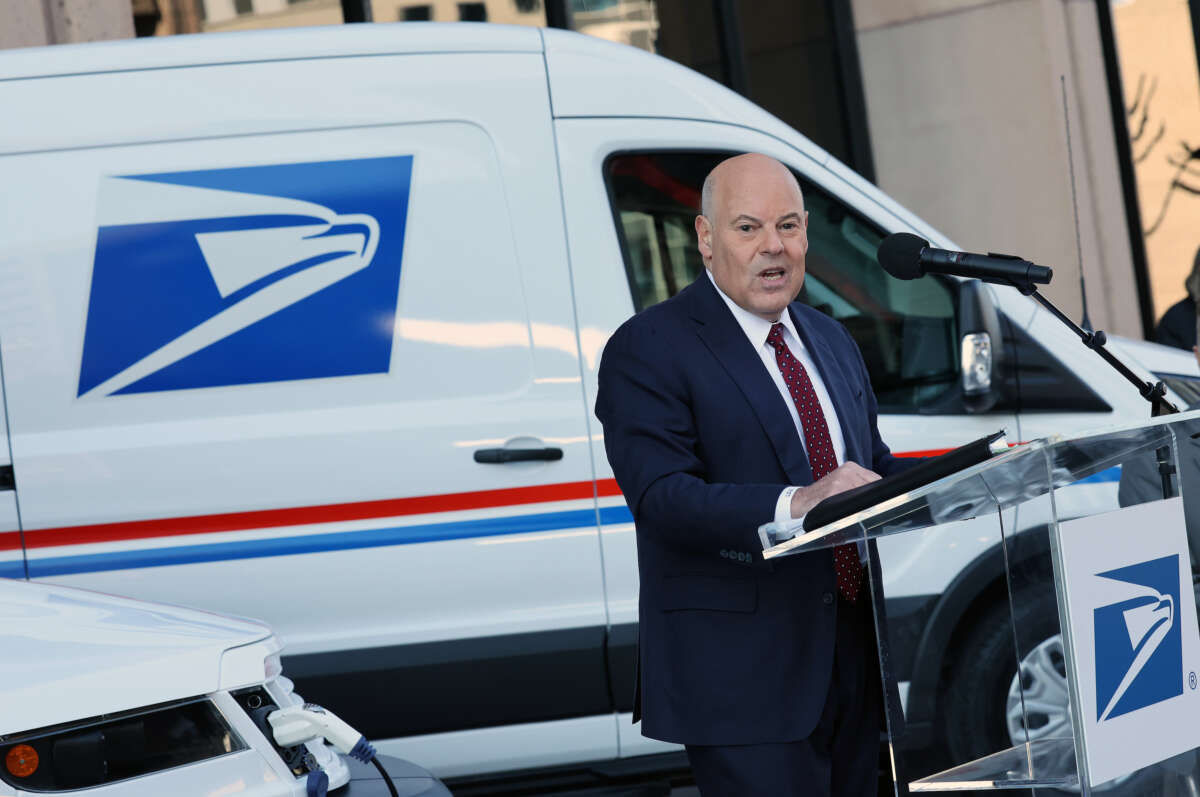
[{"x": 819, "y": 446}]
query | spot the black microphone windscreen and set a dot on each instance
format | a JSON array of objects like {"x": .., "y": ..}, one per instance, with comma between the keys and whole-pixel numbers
[{"x": 900, "y": 255}]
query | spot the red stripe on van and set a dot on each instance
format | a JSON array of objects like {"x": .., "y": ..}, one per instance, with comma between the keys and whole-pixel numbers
[
  {"x": 323, "y": 513},
  {"x": 298, "y": 516},
  {"x": 933, "y": 452},
  {"x": 937, "y": 452}
]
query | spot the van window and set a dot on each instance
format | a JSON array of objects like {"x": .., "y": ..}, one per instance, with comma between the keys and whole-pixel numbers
[{"x": 905, "y": 329}]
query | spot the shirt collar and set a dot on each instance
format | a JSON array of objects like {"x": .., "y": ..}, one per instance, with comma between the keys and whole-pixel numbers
[{"x": 756, "y": 327}]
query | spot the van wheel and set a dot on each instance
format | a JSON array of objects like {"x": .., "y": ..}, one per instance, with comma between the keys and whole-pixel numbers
[
  {"x": 982, "y": 699},
  {"x": 976, "y": 697}
]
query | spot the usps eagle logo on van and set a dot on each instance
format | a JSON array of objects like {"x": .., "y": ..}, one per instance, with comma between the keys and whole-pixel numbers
[
  {"x": 1139, "y": 641},
  {"x": 245, "y": 275}
]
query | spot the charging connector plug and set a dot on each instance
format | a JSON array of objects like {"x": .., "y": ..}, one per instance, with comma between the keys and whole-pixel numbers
[{"x": 298, "y": 724}]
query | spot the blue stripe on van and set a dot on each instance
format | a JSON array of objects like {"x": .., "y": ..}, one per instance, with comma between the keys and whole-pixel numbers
[
  {"x": 1111, "y": 475},
  {"x": 317, "y": 543},
  {"x": 12, "y": 569}
]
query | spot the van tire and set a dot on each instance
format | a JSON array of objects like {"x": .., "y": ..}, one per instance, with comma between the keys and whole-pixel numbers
[{"x": 973, "y": 702}]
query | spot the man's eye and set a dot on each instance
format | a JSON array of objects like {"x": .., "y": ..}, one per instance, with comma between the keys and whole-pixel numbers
[{"x": 745, "y": 227}]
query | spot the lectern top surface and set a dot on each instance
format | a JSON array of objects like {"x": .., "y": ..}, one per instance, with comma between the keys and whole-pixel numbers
[{"x": 1024, "y": 472}]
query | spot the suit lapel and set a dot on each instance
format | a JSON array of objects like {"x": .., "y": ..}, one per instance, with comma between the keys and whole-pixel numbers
[
  {"x": 835, "y": 383},
  {"x": 729, "y": 344}
]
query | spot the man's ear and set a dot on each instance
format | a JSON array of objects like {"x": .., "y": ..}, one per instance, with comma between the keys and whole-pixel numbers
[{"x": 704, "y": 237}]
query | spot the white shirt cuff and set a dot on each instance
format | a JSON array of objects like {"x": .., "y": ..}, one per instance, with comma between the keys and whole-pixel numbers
[
  {"x": 783, "y": 507},
  {"x": 783, "y": 517}
]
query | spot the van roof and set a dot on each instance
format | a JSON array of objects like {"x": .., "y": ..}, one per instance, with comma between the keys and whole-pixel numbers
[{"x": 281, "y": 44}]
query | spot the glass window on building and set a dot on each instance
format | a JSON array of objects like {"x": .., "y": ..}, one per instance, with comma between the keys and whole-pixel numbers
[
  {"x": 631, "y": 22},
  {"x": 472, "y": 12},
  {"x": 228, "y": 15},
  {"x": 169, "y": 17},
  {"x": 683, "y": 30},
  {"x": 791, "y": 68},
  {"x": 166, "y": 17},
  {"x": 1157, "y": 60},
  {"x": 505, "y": 12}
]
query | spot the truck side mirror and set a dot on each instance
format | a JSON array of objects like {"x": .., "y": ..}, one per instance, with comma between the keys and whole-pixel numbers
[{"x": 981, "y": 346}]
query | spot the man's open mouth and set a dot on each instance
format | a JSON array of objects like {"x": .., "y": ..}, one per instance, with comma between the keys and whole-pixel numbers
[{"x": 772, "y": 275}]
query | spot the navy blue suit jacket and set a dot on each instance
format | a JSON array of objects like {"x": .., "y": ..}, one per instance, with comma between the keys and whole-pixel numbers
[{"x": 733, "y": 649}]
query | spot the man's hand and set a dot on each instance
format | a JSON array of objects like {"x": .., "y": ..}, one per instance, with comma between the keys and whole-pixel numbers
[{"x": 846, "y": 477}]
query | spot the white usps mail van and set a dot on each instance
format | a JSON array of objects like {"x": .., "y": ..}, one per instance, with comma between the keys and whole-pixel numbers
[{"x": 304, "y": 324}]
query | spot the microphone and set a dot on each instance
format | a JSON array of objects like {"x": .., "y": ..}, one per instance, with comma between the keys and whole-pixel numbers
[{"x": 906, "y": 256}]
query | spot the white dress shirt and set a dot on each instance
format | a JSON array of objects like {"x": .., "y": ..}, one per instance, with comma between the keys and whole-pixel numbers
[{"x": 757, "y": 329}]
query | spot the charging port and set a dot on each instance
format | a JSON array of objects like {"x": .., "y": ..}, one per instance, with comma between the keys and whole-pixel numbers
[{"x": 258, "y": 704}]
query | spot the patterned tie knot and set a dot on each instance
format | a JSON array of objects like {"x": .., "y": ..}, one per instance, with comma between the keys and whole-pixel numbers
[{"x": 775, "y": 338}]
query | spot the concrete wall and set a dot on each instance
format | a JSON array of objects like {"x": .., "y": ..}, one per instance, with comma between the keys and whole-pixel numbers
[
  {"x": 965, "y": 108},
  {"x": 32, "y": 23}
]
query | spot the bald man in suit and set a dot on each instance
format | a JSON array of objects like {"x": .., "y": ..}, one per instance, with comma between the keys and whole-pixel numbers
[{"x": 725, "y": 407}]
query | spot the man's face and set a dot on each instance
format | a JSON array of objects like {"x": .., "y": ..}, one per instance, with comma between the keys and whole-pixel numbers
[{"x": 756, "y": 240}]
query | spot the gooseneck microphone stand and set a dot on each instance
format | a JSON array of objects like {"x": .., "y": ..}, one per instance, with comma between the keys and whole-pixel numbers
[{"x": 1154, "y": 393}]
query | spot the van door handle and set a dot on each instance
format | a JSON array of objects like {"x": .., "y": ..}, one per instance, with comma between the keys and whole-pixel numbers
[{"x": 499, "y": 456}]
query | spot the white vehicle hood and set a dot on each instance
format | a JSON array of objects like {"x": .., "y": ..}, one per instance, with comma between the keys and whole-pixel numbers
[
  {"x": 1155, "y": 357},
  {"x": 68, "y": 654}
]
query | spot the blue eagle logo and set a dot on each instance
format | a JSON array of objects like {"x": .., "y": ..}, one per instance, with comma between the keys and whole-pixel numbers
[
  {"x": 1139, "y": 641},
  {"x": 245, "y": 275}
]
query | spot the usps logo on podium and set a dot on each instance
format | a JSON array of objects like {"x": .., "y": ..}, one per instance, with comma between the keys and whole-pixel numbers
[
  {"x": 245, "y": 275},
  {"x": 1139, "y": 647},
  {"x": 1135, "y": 642}
]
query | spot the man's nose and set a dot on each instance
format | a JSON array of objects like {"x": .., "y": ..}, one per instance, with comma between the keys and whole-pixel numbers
[{"x": 771, "y": 243}]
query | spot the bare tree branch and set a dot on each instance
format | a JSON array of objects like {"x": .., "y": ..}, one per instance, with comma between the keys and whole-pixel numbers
[
  {"x": 1162, "y": 131},
  {"x": 1137, "y": 95}
]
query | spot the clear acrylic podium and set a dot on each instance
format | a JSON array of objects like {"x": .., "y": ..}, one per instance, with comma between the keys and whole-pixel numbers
[{"x": 1010, "y": 507}]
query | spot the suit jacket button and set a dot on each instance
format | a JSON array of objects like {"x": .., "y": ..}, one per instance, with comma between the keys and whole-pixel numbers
[{"x": 827, "y": 598}]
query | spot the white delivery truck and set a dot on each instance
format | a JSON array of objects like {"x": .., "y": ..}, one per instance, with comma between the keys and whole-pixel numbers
[{"x": 304, "y": 325}]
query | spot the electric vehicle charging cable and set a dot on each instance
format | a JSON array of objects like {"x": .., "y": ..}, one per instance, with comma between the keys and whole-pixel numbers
[{"x": 298, "y": 724}]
